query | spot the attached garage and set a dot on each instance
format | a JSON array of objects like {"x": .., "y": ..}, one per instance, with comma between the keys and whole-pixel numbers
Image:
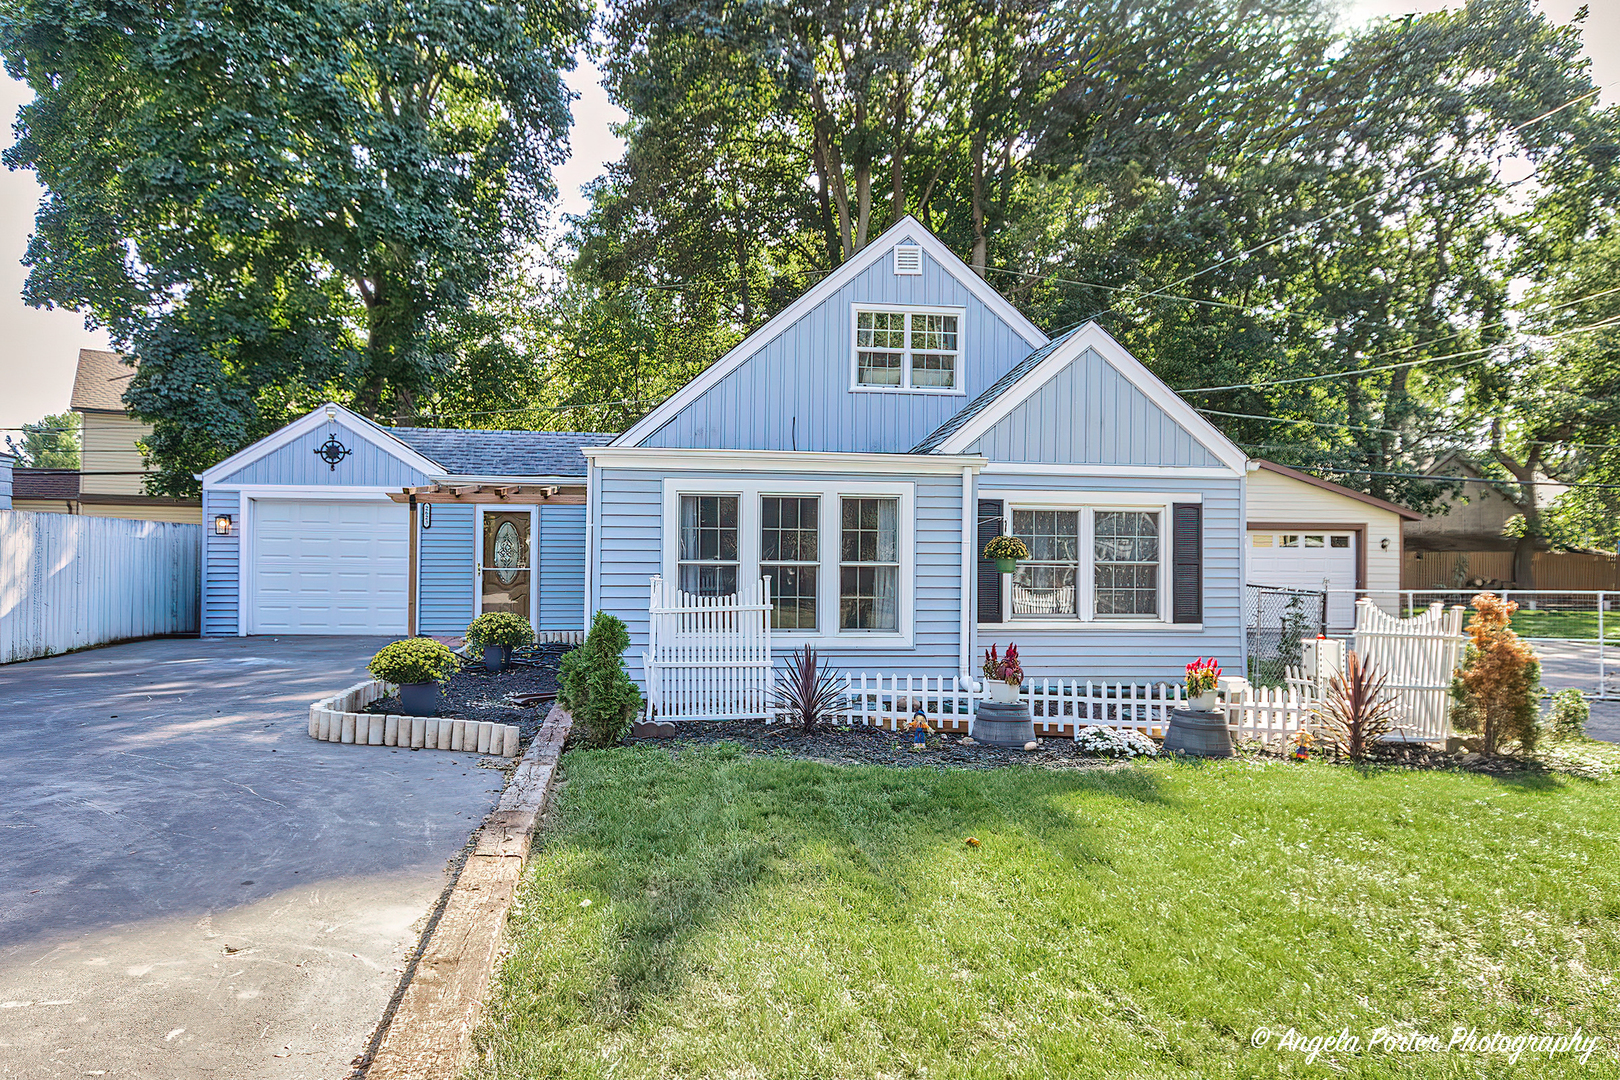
[
  {"x": 337, "y": 525},
  {"x": 1312, "y": 534},
  {"x": 326, "y": 566}
]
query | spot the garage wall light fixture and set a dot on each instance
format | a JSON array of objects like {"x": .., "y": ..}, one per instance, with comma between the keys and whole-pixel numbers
[
  {"x": 222, "y": 525},
  {"x": 1384, "y": 543}
]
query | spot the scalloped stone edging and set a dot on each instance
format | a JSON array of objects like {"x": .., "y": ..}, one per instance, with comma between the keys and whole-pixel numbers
[{"x": 336, "y": 719}]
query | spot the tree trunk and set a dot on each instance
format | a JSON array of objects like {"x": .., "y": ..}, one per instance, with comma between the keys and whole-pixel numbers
[{"x": 1524, "y": 559}]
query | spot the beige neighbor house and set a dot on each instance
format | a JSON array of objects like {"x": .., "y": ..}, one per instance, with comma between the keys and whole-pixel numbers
[
  {"x": 1464, "y": 544},
  {"x": 109, "y": 482},
  {"x": 1308, "y": 533}
]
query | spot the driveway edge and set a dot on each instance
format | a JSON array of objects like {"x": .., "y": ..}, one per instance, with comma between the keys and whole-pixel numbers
[{"x": 428, "y": 1034}]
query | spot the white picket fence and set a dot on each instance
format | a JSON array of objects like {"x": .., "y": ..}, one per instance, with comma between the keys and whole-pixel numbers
[
  {"x": 709, "y": 657},
  {"x": 68, "y": 582},
  {"x": 1418, "y": 657}
]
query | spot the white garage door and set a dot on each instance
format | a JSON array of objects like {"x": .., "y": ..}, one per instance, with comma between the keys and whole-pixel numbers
[
  {"x": 1308, "y": 560},
  {"x": 323, "y": 567}
]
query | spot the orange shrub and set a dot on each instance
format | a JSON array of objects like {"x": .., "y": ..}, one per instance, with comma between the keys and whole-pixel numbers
[{"x": 1496, "y": 687}]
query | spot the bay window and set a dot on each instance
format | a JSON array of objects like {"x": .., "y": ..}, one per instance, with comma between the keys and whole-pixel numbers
[{"x": 837, "y": 552}]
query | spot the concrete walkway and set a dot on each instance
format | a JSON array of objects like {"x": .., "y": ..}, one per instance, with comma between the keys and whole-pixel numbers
[{"x": 190, "y": 885}]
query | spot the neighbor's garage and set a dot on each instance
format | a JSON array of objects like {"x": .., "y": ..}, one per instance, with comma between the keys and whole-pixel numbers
[
  {"x": 325, "y": 566},
  {"x": 1308, "y": 533}
]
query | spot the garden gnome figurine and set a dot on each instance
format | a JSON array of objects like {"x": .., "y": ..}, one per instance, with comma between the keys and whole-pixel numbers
[{"x": 919, "y": 731}]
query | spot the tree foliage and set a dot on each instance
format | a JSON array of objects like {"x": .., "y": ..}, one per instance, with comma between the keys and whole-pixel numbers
[
  {"x": 273, "y": 204},
  {"x": 49, "y": 443},
  {"x": 1497, "y": 686},
  {"x": 1313, "y": 232}
]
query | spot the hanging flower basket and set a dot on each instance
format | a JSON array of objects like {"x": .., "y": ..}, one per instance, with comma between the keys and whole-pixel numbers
[{"x": 1005, "y": 551}]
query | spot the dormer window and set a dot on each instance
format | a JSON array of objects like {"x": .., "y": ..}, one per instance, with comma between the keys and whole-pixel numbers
[{"x": 908, "y": 348}]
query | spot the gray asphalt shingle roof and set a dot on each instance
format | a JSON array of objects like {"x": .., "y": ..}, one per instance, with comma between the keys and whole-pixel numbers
[
  {"x": 937, "y": 437},
  {"x": 474, "y": 452}
]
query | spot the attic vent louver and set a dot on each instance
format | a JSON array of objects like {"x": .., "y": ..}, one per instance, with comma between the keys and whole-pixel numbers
[{"x": 907, "y": 259}]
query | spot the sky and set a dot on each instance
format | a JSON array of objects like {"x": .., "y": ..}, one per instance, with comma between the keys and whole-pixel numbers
[{"x": 41, "y": 347}]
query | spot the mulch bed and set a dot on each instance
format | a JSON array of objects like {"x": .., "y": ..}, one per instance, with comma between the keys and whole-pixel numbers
[
  {"x": 476, "y": 694},
  {"x": 873, "y": 746}
]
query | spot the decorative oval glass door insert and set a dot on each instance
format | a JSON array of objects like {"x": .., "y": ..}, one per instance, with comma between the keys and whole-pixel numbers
[{"x": 509, "y": 560}]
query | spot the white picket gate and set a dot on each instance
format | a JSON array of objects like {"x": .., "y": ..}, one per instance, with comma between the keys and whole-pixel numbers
[
  {"x": 709, "y": 657},
  {"x": 1418, "y": 656}
]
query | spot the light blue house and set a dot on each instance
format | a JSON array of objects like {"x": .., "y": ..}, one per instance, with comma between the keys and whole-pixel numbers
[{"x": 857, "y": 451}]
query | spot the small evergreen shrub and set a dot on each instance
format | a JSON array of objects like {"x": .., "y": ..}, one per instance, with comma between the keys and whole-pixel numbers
[
  {"x": 503, "y": 628},
  {"x": 593, "y": 685},
  {"x": 413, "y": 660},
  {"x": 1570, "y": 712},
  {"x": 1496, "y": 687}
]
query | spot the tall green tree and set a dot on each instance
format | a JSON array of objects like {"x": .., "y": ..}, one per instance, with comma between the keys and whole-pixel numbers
[
  {"x": 271, "y": 203},
  {"x": 50, "y": 443}
]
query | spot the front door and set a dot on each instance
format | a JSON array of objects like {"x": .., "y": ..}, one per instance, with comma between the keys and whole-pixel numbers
[{"x": 505, "y": 567}]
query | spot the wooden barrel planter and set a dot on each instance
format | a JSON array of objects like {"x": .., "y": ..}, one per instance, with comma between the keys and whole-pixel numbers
[
  {"x": 1202, "y": 734},
  {"x": 1003, "y": 723}
]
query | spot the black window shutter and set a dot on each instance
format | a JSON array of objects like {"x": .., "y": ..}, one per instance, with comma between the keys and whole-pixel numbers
[
  {"x": 989, "y": 576},
  {"x": 1187, "y": 563}
]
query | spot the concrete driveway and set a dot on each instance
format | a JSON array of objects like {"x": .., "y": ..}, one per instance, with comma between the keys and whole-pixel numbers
[
  {"x": 1566, "y": 664},
  {"x": 189, "y": 884}
]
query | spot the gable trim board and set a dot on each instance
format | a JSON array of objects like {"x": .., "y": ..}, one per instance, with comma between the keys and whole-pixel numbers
[
  {"x": 351, "y": 421},
  {"x": 637, "y": 457},
  {"x": 1066, "y": 351},
  {"x": 907, "y": 228}
]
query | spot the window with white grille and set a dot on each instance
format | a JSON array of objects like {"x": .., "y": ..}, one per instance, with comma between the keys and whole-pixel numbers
[{"x": 917, "y": 349}]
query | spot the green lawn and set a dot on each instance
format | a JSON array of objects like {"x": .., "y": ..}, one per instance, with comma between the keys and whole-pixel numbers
[
  {"x": 1582, "y": 625},
  {"x": 719, "y": 915}
]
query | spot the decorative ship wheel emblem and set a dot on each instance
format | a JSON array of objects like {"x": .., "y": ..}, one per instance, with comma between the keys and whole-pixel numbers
[{"x": 331, "y": 451}]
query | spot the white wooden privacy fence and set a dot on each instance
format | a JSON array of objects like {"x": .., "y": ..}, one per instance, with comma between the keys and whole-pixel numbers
[
  {"x": 67, "y": 581},
  {"x": 709, "y": 657},
  {"x": 1417, "y": 656}
]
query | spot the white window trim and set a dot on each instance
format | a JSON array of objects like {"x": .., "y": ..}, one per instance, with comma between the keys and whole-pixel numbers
[
  {"x": 905, "y": 387},
  {"x": 1086, "y": 503},
  {"x": 748, "y": 494}
]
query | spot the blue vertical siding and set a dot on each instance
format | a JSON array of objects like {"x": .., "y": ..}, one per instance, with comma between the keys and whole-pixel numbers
[
  {"x": 794, "y": 393},
  {"x": 1088, "y": 412},
  {"x": 296, "y": 463},
  {"x": 562, "y": 568},
  {"x": 222, "y": 569},
  {"x": 1149, "y": 654},
  {"x": 445, "y": 578}
]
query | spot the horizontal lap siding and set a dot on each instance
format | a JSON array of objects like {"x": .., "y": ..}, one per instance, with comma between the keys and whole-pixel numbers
[
  {"x": 749, "y": 410},
  {"x": 1088, "y": 412},
  {"x": 445, "y": 586},
  {"x": 222, "y": 568},
  {"x": 562, "y": 568},
  {"x": 631, "y": 508},
  {"x": 1145, "y": 655}
]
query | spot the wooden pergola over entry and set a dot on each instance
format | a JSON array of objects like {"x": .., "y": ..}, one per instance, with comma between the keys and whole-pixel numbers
[{"x": 540, "y": 494}]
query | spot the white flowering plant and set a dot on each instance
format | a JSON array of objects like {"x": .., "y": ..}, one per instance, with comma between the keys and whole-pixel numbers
[{"x": 1115, "y": 743}]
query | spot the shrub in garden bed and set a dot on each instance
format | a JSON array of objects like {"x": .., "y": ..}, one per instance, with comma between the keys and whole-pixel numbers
[
  {"x": 594, "y": 687},
  {"x": 502, "y": 628},
  {"x": 412, "y": 661},
  {"x": 1115, "y": 743}
]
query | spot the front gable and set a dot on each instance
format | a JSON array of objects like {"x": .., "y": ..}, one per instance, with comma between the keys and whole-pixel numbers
[
  {"x": 292, "y": 456},
  {"x": 1084, "y": 400},
  {"x": 790, "y": 385}
]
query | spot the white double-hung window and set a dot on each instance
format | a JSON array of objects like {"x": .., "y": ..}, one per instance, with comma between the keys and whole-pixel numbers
[
  {"x": 908, "y": 348},
  {"x": 1089, "y": 563},
  {"x": 837, "y": 553}
]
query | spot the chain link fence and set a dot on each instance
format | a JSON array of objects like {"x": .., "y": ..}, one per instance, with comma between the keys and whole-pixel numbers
[{"x": 1277, "y": 621}]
